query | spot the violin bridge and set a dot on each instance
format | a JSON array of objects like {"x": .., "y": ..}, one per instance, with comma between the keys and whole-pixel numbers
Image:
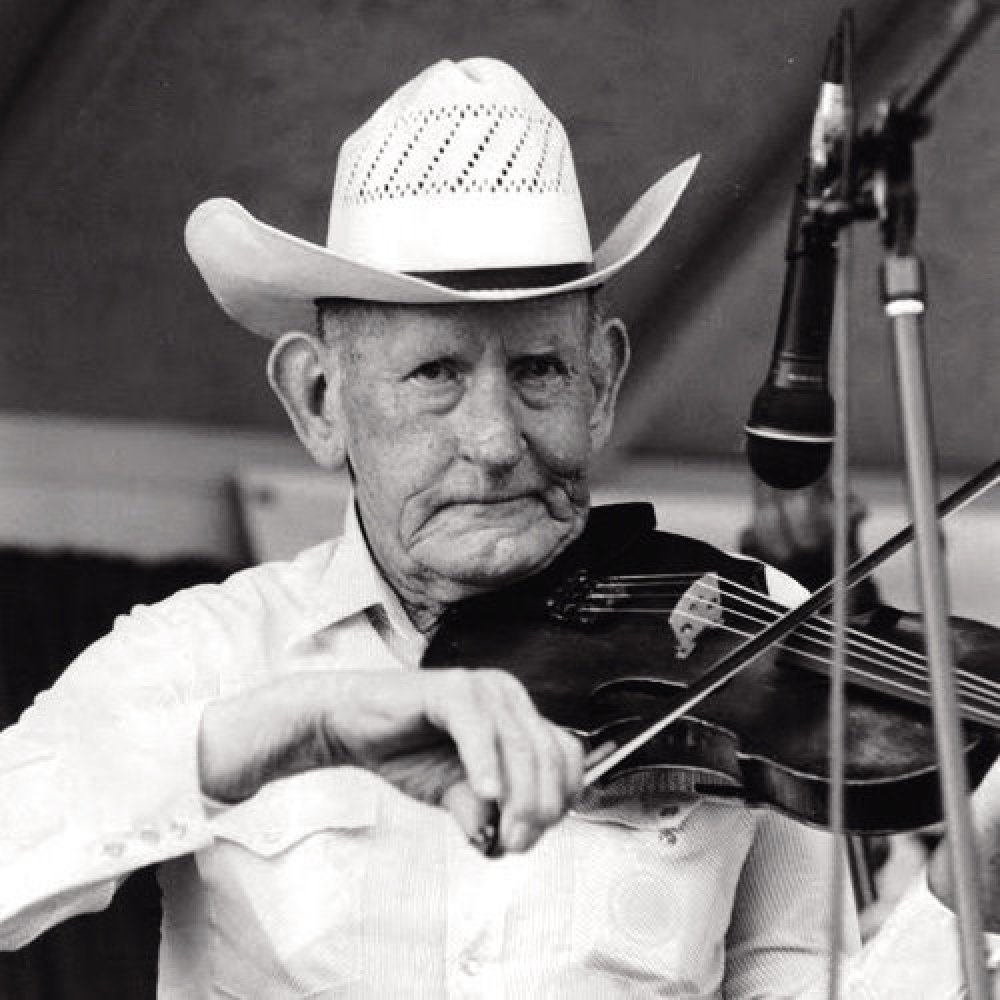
[{"x": 699, "y": 609}]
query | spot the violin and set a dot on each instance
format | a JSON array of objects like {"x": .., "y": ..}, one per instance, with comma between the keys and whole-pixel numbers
[{"x": 629, "y": 619}]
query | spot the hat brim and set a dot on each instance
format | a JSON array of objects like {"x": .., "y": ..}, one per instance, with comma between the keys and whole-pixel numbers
[{"x": 268, "y": 281}]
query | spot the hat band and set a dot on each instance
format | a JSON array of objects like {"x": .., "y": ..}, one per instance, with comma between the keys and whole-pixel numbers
[{"x": 479, "y": 279}]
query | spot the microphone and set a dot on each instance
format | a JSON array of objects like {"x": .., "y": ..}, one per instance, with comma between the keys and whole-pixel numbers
[{"x": 790, "y": 430}]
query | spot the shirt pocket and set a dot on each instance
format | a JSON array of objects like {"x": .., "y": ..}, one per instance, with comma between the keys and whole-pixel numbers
[
  {"x": 287, "y": 875},
  {"x": 642, "y": 908}
]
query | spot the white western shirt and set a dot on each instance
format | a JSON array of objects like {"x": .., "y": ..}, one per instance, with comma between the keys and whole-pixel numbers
[{"x": 333, "y": 884}]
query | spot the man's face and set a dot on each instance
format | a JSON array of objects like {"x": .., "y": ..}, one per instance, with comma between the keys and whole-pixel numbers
[{"x": 469, "y": 433}]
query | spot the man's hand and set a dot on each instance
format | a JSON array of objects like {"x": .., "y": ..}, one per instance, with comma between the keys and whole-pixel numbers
[{"x": 461, "y": 739}]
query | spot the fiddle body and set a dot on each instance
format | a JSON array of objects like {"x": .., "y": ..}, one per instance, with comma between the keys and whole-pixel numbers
[{"x": 609, "y": 637}]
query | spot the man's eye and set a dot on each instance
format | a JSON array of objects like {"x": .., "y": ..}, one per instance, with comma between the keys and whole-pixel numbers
[
  {"x": 436, "y": 372},
  {"x": 541, "y": 368}
]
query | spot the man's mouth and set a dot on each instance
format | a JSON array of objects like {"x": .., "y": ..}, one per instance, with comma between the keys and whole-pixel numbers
[
  {"x": 513, "y": 502},
  {"x": 492, "y": 501},
  {"x": 555, "y": 499}
]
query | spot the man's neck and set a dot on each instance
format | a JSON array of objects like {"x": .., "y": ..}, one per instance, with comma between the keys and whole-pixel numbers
[
  {"x": 425, "y": 617},
  {"x": 424, "y": 614}
]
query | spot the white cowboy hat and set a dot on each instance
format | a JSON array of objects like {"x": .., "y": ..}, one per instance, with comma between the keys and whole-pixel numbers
[{"x": 460, "y": 188}]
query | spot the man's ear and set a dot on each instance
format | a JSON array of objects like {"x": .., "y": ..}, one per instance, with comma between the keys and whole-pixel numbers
[
  {"x": 302, "y": 374},
  {"x": 609, "y": 355}
]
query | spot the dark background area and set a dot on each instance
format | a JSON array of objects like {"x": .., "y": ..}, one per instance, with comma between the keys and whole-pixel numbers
[
  {"x": 52, "y": 606},
  {"x": 116, "y": 118}
]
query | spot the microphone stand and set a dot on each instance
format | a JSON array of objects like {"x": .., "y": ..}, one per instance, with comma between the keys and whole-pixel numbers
[{"x": 885, "y": 173}]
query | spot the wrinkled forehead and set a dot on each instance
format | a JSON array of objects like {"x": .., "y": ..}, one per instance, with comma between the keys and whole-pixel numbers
[{"x": 566, "y": 318}]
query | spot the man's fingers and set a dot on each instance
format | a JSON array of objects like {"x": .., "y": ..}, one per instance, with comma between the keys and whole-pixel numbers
[
  {"x": 574, "y": 763},
  {"x": 474, "y": 816},
  {"x": 505, "y": 754},
  {"x": 544, "y": 796},
  {"x": 542, "y": 765},
  {"x": 459, "y": 711},
  {"x": 522, "y": 745}
]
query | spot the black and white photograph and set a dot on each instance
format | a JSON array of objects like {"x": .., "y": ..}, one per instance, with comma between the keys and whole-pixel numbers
[{"x": 497, "y": 500}]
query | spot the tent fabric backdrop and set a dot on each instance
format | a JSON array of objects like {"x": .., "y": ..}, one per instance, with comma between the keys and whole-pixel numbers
[{"x": 117, "y": 118}]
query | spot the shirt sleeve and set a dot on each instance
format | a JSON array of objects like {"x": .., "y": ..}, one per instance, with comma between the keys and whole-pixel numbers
[
  {"x": 917, "y": 954},
  {"x": 100, "y": 776}
]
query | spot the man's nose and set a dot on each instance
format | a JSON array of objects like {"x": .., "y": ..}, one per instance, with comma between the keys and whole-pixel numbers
[{"x": 490, "y": 431}]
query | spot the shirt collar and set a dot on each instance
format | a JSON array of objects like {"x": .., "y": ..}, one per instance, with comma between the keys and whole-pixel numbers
[{"x": 349, "y": 584}]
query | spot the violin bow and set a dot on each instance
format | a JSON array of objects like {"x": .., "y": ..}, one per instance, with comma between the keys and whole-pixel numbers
[{"x": 741, "y": 656}]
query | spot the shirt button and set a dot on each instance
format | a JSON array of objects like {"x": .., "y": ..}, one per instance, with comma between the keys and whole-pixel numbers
[
  {"x": 471, "y": 965},
  {"x": 149, "y": 835},
  {"x": 668, "y": 836},
  {"x": 177, "y": 828},
  {"x": 113, "y": 848}
]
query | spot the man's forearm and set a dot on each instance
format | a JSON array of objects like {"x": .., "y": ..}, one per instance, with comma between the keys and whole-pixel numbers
[
  {"x": 457, "y": 738},
  {"x": 261, "y": 735}
]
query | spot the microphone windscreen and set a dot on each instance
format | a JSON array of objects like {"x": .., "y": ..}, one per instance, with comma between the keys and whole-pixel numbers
[
  {"x": 782, "y": 433},
  {"x": 787, "y": 465}
]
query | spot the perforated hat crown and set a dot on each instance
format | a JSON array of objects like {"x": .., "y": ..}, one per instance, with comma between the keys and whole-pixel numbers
[
  {"x": 462, "y": 169},
  {"x": 461, "y": 187}
]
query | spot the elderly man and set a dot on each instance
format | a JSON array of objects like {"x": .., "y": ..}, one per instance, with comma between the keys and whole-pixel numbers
[{"x": 309, "y": 794}]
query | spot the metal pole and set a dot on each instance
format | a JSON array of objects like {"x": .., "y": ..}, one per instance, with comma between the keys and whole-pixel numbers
[{"x": 903, "y": 288}]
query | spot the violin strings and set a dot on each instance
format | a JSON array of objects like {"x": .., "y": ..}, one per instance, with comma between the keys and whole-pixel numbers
[
  {"x": 819, "y": 629},
  {"x": 911, "y": 675},
  {"x": 813, "y": 627},
  {"x": 913, "y": 688},
  {"x": 913, "y": 670},
  {"x": 815, "y": 624},
  {"x": 902, "y": 653},
  {"x": 641, "y": 577}
]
